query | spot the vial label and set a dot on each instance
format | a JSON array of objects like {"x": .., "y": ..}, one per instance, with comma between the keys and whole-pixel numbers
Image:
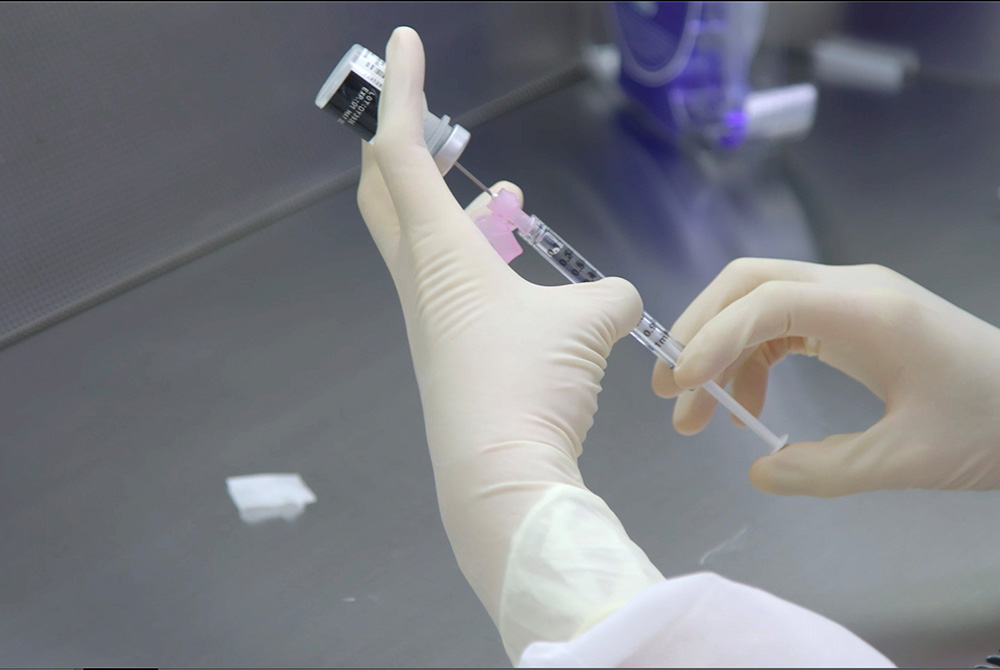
[
  {"x": 371, "y": 68},
  {"x": 355, "y": 102},
  {"x": 356, "y": 105}
]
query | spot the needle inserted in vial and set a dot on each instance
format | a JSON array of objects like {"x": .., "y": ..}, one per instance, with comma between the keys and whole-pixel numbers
[
  {"x": 351, "y": 93},
  {"x": 473, "y": 179}
]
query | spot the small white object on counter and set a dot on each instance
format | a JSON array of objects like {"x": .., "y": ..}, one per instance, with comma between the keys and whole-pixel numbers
[{"x": 269, "y": 496}]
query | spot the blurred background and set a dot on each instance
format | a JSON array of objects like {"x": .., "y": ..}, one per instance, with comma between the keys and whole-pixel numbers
[{"x": 188, "y": 292}]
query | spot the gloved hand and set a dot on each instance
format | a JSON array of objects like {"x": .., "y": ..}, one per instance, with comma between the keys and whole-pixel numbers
[
  {"x": 936, "y": 367},
  {"x": 509, "y": 374}
]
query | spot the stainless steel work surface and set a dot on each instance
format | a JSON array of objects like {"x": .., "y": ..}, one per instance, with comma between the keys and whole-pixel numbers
[
  {"x": 285, "y": 352},
  {"x": 137, "y": 136}
]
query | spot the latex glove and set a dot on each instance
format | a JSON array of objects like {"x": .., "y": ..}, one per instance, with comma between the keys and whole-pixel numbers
[
  {"x": 936, "y": 367},
  {"x": 509, "y": 374}
]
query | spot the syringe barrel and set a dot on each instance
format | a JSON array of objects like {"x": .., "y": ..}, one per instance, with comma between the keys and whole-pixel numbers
[
  {"x": 649, "y": 331},
  {"x": 352, "y": 91}
]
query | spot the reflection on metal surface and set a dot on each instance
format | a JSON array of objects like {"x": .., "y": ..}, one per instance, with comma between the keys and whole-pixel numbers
[
  {"x": 688, "y": 65},
  {"x": 735, "y": 543},
  {"x": 710, "y": 208}
]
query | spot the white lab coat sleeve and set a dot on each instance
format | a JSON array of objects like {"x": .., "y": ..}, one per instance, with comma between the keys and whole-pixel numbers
[{"x": 704, "y": 620}]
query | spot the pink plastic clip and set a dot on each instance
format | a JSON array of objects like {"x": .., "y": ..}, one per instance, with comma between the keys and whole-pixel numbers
[
  {"x": 498, "y": 227},
  {"x": 506, "y": 206},
  {"x": 500, "y": 234}
]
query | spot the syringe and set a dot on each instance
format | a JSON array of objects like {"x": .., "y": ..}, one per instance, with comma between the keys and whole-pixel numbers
[
  {"x": 351, "y": 93},
  {"x": 577, "y": 269}
]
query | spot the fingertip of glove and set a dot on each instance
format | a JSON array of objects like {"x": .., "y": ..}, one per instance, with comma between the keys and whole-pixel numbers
[
  {"x": 400, "y": 36},
  {"x": 692, "y": 412},
  {"x": 687, "y": 372},
  {"x": 787, "y": 473},
  {"x": 662, "y": 381},
  {"x": 402, "y": 99},
  {"x": 761, "y": 475},
  {"x": 510, "y": 187},
  {"x": 625, "y": 291}
]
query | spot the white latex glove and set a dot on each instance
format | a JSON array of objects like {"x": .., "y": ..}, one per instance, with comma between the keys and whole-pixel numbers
[
  {"x": 509, "y": 374},
  {"x": 936, "y": 367}
]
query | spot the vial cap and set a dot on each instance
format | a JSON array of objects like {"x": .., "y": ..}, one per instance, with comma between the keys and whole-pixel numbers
[{"x": 452, "y": 148}]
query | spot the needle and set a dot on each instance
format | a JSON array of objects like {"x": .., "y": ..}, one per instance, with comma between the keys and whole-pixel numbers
[{"x": 474, "y": 180}]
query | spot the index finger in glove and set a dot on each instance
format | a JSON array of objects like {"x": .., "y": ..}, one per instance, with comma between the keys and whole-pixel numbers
[
  {"x": 777, "y": 309},
  {"x": 736, "y": 280},
  {"x": 375, "y": 204},
  {"x": 418, "y": 191},
  {"x": 836, "y": 466}
]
